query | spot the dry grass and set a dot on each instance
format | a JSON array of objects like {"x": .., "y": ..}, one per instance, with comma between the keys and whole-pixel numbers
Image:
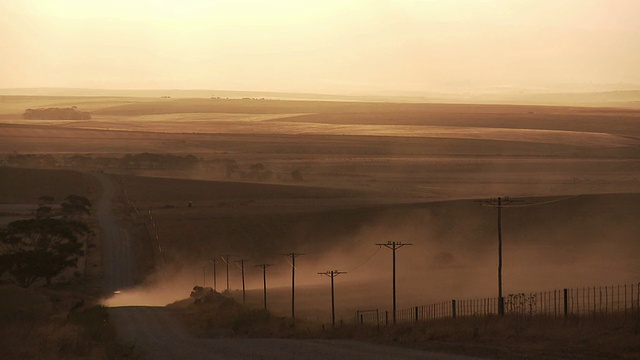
[
  {"x": 355, "y": 194},
  {"x": 25, "y": 186},
  {"x": 218, "y": 316},
  {"x": 54, "y": 324},
  {"x": 509, "y": 116},
  {"x": 512, "y": 337},
  {"x": 62, "y": 322},
  {"x": 338, "y": 230},
  {"x": 611, "y": 336}
]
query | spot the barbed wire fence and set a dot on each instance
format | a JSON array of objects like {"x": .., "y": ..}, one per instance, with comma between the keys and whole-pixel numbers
[{"x": 623, "y": 299}]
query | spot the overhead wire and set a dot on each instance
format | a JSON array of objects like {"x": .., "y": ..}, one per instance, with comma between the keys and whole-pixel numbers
[
  {"x": 540, "y": 203},
  {"x": 367, "y": 260}
]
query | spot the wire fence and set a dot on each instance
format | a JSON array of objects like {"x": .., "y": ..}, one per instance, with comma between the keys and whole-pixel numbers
[{"x": 577, "y": 301}]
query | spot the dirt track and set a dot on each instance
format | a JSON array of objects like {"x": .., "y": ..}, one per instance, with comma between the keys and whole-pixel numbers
[
  {"x": 118, "y": 257},
  {"x": 158, "y": 334}
]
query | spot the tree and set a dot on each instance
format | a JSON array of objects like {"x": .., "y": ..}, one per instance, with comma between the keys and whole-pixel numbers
[
  {"x": 296, "y": 175},
  {"x": 46, "y": 199},
  {"x": 41, "y": 248},
  {"x": 76, "y": 205},
  {"x": 44, "y": 212}
]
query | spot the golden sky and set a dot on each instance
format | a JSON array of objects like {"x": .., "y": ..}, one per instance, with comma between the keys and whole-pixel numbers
[{"x": 327, "y": 46}]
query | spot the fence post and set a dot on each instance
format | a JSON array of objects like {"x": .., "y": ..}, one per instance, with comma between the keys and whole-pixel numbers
[
  {"x": 453, "y": 309},
  {"x": 416, "y": 314},
  {"x": 361, "y": 319},
  {"x": 386, "y": 317},
  {"x": 566, "y": 305}
]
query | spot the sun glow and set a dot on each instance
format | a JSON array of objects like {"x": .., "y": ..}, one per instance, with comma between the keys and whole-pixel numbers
[{"x": 328, "y": 46}]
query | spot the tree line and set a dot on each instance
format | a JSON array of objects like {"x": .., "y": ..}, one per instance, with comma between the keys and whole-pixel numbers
[
  {"x": 71, "y": 113},
  {"x": 229, "y": 168}
]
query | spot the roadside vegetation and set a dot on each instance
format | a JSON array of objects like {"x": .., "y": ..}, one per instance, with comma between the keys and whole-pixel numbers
[
  {"x": 212, "y": 314},
  {"x": 47, "y": 311},
  {"x": 47, "y": 323},
  {"x": 43, "y": 247},
  {"x": 612, "y": 336}
]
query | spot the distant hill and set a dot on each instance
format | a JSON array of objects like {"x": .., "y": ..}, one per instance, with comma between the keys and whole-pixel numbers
[{"x": 619, "y": 99}]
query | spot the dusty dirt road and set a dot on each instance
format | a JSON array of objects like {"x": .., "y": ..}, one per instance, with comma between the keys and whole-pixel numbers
[
  {"x": 158, "y": 334},
  {"x": 116, "y": 241}
]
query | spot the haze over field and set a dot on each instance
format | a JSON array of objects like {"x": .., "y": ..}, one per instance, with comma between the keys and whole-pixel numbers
[
  {"x": 498, "y": 140},
  {"x": 409, "y": 48}
]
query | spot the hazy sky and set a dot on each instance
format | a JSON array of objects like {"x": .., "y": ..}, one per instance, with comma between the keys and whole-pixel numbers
[{"x": 329, "y": 46}]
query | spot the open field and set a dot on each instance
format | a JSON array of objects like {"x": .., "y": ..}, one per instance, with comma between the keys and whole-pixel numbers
[
  {"x": 368, "y": 173},
  {"x": 394, "y": 151},
  {"x": 579, "y": 240}
]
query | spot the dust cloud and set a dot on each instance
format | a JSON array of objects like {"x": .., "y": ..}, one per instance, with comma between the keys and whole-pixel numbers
[
  {"x": 157, "y": 290},
  {"x": 453, "y": 255}
]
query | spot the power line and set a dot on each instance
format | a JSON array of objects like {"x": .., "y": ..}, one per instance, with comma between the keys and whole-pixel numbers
[
  {"x": 541, "y": 203},
  {"x": 367, "y": 260},
  {"x": 264, "y": 282},
  {"x": 394, "y": 246},
  {"x": 241, "y": 263},
  {"x": 225, "y": 258},
  {"x": 215, "y": 276},
  {"x": 332, "y": 274},
  {"x": 293, "y": 257},
  {"x": 499, "y": 203}
]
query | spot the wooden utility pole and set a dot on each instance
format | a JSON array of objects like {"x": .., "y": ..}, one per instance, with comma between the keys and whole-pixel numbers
[
  {"x": 264, "y": 282},
  {"x": 215, "y": 277},
  {"x": 499, "y": 203},
  {"x": 293, "y": 257},
  {"x": 226, "y": 261},
  {"x": 394, "y": 246},
  {"x": 332, "y": 274},
  {"x": 241, "y": 263}
]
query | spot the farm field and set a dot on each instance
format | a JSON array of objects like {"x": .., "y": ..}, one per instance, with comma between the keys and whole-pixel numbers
[{"x": 367, "y": 173}]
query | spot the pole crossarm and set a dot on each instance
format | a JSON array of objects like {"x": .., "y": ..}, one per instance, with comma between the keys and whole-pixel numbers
[
  {"x": 394, "y": 245},
  {"x": 332, "y": 273},
  {"x": 500, "y": 202},
  {"x": 240, "y": 262}
]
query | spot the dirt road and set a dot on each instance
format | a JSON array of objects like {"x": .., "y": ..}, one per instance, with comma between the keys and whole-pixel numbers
[
  {"x": 158, "y": 334},
  {"x": 116, "y": 241}
]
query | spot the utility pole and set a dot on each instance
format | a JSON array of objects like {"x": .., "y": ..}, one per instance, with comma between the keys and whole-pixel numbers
[
  {"x": 499, "y": 203},
  {"x": 332, "y": 274},
  {"x": 394, "y": 246},
  {"x": 293, "y": 256},
  {"x": 215, "y": 278},
  {"x": 225, "y": 258},
  {"x": 241, "y": 263},
  {"x": 264, "y": 282}
]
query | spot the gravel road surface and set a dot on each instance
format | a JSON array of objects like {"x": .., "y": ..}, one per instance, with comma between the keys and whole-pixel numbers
[
  {"x": 116, "y": 241},
  {"x": 158, "y": 334}
]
